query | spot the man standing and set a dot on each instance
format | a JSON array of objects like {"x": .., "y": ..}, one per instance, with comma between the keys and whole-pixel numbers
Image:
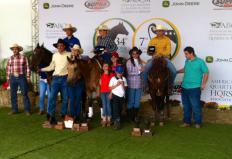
[
  {"x": 162, "y": 47},
  {"x": 196, "y": 74},
  {"x": 71, "y": 40},
  {"x": 18, "y": 74},
  {"x": 59, "y": 65}
]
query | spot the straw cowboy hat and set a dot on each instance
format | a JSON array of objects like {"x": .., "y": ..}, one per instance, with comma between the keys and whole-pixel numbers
[
  {"x": 69, "y": 26},
  {"x": 103, "y": 27},
  {"x": 16, "y": 46},
  {"x": 60, "y": 41},
  {"x": 77, "y": 47},
  {"x": 159, "y": 27}
]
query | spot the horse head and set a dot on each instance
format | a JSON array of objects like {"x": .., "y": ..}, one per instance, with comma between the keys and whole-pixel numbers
[
  {"x": 41, "y": 56},
  {"x": 118, "y": 29},
  {"x": 74, "y": 72},
  {"x": 158, "y": 77}
]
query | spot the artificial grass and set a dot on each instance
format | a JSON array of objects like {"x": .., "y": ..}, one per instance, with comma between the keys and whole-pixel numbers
[{"x": 24, "y": 138}]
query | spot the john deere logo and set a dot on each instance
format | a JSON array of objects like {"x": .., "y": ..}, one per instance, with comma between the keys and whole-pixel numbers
[
  {"x": 166, "y": 4},
  {"x": 209, "y": 59},
  {"x": 46, "y": 5}
]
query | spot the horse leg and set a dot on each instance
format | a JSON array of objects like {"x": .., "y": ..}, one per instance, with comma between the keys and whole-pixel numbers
[
  {"x": 154, "y": 111},
  {"x": 83, "y": 105},
  {"x": 90, "y": 104},
  {"x": 168, "y": 107}
]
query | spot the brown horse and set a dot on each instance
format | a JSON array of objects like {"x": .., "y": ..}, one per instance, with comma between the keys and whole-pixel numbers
[
  {"x": 158, "y": 79},
  {"x": 91, "y": 72},
  {"x": 41, "y": 58}
]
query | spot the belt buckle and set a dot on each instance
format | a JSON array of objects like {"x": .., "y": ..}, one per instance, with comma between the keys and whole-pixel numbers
[{"x": 15, "y": 74}]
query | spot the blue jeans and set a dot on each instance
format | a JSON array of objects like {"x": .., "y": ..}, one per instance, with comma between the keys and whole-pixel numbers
[
  {"x": 75, "y": 93},
  {"x": 21, "y": 82},
  {"x": 59, "y": 84},
  {"x": 148, "y": 66},
  {"x": 106, "y": 103},
  {"x": 134, "y": 96},
  {"x": 43, "y": 88},
  {"x": 191, "y": 102}
]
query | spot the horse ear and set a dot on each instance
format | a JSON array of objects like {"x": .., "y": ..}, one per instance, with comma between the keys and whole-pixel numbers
[
  {"x": 42, "y": 45},
  {"x": 37, "y": 45},
  {"x": 69, "y": 59}
]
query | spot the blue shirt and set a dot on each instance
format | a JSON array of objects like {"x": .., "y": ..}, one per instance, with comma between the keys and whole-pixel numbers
[
  {"x": 72, "y": 41},
  {"x": 193, "y": 73}
]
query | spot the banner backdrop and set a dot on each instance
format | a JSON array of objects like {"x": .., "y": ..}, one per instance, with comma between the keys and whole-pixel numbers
[{"x": 205, "y": 25}]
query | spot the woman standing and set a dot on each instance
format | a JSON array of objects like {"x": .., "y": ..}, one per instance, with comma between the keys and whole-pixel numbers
[
  {"x": 134, "y": 69},
  {"x": 76, "y": 90}
]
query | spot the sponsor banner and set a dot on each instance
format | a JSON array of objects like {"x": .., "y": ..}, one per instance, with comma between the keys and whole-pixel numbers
[{"x": 205, "y": 25}]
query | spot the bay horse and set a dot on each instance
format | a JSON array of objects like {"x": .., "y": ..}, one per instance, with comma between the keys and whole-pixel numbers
[
  {"x": 41, "y": 56},
  {"x": 158, "y": 81},
  {"x": 91, "y": 72}
]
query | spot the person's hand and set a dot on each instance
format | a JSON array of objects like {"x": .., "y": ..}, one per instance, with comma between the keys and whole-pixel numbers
[
  {"x": 39, "y": 70},
  {"x": 203, "y": 86},
  {"x": 141, "y": 69},
  {"x": 110, "y": 96},
  {"x": 29, "y": 80}
]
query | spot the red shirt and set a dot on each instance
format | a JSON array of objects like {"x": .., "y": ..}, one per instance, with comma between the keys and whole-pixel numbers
[{"x": 105, "y": 80}]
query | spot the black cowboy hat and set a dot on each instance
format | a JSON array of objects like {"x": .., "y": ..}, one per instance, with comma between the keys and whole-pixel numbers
[
  {"x": 60, "y": 41},
  {"x": 135, "y": 49},
  {"x": 151, "y": 50},
  {"x": 99, "y": 49}
]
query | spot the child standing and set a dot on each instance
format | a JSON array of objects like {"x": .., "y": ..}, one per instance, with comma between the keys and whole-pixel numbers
[
  {"x": 117, "y": 86},
  {"x": 105, "y": 95}
]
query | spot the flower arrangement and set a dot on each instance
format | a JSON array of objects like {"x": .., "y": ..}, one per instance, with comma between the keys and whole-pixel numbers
[{"x": 223, "y": 107}]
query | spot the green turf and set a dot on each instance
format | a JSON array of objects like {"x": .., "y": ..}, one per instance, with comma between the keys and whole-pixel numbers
[{"x": 23, "y": 137}]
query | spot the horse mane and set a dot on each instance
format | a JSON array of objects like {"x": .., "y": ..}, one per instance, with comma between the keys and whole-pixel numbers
[{"x": 159, "y": 66}]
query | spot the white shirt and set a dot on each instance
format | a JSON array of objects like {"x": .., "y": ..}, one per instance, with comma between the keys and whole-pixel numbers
[{"x": 119, "y": 90}]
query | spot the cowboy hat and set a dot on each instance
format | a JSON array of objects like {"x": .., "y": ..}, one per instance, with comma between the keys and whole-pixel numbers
[
  {"x": 77, "y": 47},
  {"x": 16, "y": 46},
  {"x": 69, "y": 26},
  {"x": 135, "y": 49},
  {"x": 159, "y": 27},
  {"x": 62, "y": 42},
  {"x": 103, "y": 27}
]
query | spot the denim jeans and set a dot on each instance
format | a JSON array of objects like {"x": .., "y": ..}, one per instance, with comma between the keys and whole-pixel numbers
[
  {"x": 59, "y": 84},
  {"x": 21, "y": 82},
  {"x": 117, "y": 103},
  {"x": 75, "y": 93},
  {"x": 106, "y": 103},
  {"x": 134, "y": 96},
  {"x": 43, "y": 88},
  {"x": 148, "y": 66},
  {"x": 191, "y": 102}
]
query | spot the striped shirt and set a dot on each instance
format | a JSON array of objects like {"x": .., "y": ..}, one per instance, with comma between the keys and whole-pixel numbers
[
  {"x": 133, "y": 75},
  {"x": 17, "y": 65},
  {"x": 108, "y": 43}
]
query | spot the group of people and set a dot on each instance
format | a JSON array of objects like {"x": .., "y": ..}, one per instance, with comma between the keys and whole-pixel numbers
[{"x": 114, "y": 85}]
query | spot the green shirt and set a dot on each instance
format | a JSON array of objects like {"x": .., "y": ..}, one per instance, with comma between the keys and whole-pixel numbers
[{"x": 193, "y": 73}]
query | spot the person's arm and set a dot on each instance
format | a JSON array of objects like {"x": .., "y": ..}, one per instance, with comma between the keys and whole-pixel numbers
[
  {"x": 51, "y": 67},
  {"x": 8, "y": 70},
  {"x": 167, "y": 50},
  {"x": 112, "y": 46},
  {"x": 131, "y": 70},
  {"x": 181, "y": 70},
  {"x": 28, "y": 72},
  {"x": 204, "y": 80},
  {"x": 112, "y": 85}
]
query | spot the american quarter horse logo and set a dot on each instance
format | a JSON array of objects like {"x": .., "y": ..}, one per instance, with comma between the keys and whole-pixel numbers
[{"x": 121, "y": 31}]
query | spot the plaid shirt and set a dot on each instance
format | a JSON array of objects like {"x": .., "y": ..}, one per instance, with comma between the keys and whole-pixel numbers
[
  {"x": 133, "y": 75},
  {"x": 17, "y": 65},
  {"x": 108, "y": 43}
]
